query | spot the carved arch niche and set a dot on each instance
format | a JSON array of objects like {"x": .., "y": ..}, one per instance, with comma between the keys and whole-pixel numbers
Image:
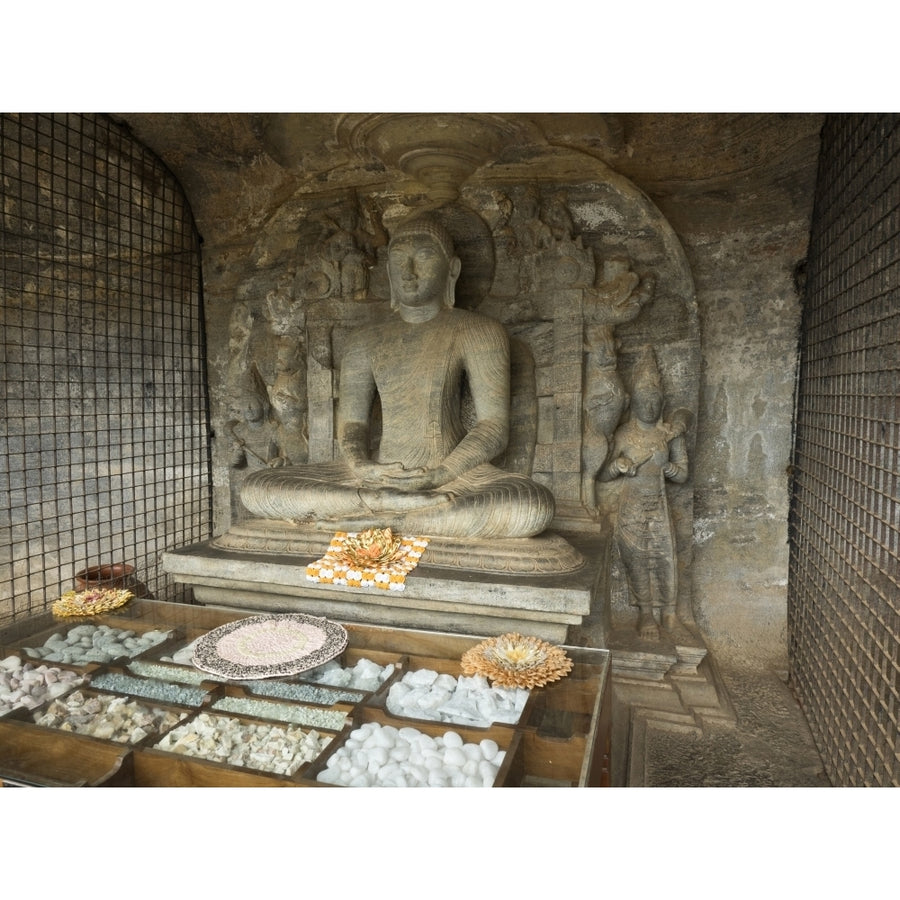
[{"x": 576, "y": 261}]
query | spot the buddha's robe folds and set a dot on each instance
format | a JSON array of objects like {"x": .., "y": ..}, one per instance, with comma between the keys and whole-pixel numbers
[{"x": 418, "y": 371}]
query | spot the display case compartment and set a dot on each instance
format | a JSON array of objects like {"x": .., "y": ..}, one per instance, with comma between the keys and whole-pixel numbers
[
  {"x": 509, "y": 774},
  {"x": 19, "y": 642},
  {"x": 31, "y": 759},
  {"x": 120, "y": 679},
  {"x": 351, "y": 657},
  {"x": 291, "y": 690},
  {"x": 565, "y": 732},
  {"x": 155, "y": 766},
  {"x": 171, "y": 672},
  {"x": 47, "y": 732},
  {"x": 234, "y": 699},
  {"x": 81, "y": 673},
  {"x": 442, "y": 667}
]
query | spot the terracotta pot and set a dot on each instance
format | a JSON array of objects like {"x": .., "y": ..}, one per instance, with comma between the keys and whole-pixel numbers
[{"x": 111, "y": 575}]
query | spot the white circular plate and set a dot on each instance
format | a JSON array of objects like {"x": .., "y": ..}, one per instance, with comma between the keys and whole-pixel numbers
[{"x": 269, "y": 646}]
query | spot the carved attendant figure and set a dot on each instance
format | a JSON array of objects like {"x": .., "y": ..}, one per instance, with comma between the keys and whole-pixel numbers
[
  {"x": 253, "y": 433},
  {"x": 617, "y": 298},
  {"x": 429, "y": 475},
  {"x": 647, "y": 452}
]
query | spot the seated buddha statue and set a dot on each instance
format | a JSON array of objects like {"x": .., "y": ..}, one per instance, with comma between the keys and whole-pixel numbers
[{"x": 430, "y": 474}]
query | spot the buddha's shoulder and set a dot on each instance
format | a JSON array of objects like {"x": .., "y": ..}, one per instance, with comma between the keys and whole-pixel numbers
[{"x": 473, "y": 323}]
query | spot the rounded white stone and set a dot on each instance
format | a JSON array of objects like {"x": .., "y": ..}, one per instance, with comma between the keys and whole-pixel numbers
[
  {"x": 426, "y": 741},
  {"x": 454, "y": 758},
  {"x": 473, "y": 751},
  {"x": 470, "y": 767},
  {"x": 386, "y": 736},
  {"x": 487, "y": 769},
  {"x": 400, "y": 752},
  {"x": 378, "y": 755},
  {"x": 489, "y": 748},
  {"x": 452, "y": 739}
]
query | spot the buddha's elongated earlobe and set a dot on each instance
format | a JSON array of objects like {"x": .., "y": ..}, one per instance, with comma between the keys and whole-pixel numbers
[{"x": 452, "y": 277}]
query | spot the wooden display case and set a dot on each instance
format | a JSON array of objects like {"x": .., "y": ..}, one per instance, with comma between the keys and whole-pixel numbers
[{"x": 561, "y": 739}]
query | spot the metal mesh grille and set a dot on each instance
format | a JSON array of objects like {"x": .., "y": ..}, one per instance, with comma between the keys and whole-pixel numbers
[
  {"x": 104, "y": 454},
  {"x": 844, "y": 586}
]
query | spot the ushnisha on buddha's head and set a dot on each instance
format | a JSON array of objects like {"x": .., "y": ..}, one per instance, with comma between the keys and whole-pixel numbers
[{"x": 422, "y": 266}]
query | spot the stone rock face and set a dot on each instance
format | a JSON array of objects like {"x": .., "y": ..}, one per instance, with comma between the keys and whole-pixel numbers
[{"x": 587, "y": 237}]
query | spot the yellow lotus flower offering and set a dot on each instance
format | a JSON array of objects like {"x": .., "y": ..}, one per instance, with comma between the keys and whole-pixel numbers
[{"x": 372, "y": 547}]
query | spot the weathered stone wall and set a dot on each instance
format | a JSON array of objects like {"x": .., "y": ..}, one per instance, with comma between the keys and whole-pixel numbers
[
  {"x": 746, "y": 238},
  {"x": 734, "y": 191}
]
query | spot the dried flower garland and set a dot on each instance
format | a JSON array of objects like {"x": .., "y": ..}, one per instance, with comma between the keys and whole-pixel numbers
[
  {"x": 375, "y": 557},
  {"x": 90, "y": 602},
  {"x": 515, "y": 660}
]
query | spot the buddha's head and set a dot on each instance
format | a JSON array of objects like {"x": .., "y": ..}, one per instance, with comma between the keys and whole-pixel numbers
[{"x": 422, "y": 266}]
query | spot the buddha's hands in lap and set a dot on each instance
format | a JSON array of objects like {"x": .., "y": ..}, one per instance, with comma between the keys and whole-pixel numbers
[
  {"x": 397, "y": 478},
  {"x": 390, "y": 487}
]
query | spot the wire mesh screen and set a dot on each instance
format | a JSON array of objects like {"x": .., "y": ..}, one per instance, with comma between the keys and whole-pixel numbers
[
  {"x": 844, "y": 584},
  {"x": 105, "y": 453}
]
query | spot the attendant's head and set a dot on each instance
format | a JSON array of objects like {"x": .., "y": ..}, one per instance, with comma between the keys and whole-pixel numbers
[{"x": 647, "y": 392}]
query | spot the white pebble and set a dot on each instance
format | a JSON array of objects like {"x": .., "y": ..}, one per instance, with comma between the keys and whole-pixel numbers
[
  {"x": 470, "y": 767},
  {"x": 378, "y": 756},
  {"x": 489, "y": 748},
  {"x": 452, "y": 739},
  {"x": 454, "y": 758}
]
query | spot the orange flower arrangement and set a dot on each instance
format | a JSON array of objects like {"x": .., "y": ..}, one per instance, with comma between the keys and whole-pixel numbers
[
  {"x": 515, "y": 660},
  {"x": 372, "y": 547}
]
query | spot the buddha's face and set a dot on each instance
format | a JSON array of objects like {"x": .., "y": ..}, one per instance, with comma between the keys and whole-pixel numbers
[{"x": 419, "y": 270}]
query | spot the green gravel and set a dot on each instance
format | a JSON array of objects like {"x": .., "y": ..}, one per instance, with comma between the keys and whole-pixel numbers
[
  {"x": 173, "y": 672},
  {"x": 150, "y": 688},
  {"x": 298, "y": 715},
  {"x": 304, "y": 693}
]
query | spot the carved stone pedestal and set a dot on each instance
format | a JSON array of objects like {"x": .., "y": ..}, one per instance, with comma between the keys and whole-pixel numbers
[
  {"x": 674, "y": 687},
  {"x": 471, "y": 599}
]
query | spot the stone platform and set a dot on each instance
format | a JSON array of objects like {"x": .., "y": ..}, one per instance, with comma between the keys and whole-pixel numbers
[{"x": 455, "y": 598}]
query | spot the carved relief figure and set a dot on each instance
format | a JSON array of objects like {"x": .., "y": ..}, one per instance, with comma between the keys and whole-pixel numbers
[
  {"x": 532, "y": 237},
  {"x": 618, "y": 297},
  {"x": 646, "y": 453},
  {"x": 337, "y": 250},
  {"x": 564, "y": 262},
  {"x": 252, "y": 431},
  {"x": 429, "y": 475},
  {"x": 289, "y": 403}
]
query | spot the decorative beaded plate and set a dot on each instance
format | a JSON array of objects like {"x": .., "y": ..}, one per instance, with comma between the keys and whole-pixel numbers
[{"x": 269, "y": 646}]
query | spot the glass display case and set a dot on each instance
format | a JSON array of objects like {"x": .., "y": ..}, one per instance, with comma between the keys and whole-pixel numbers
[{"x": 115, "y": 700}]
